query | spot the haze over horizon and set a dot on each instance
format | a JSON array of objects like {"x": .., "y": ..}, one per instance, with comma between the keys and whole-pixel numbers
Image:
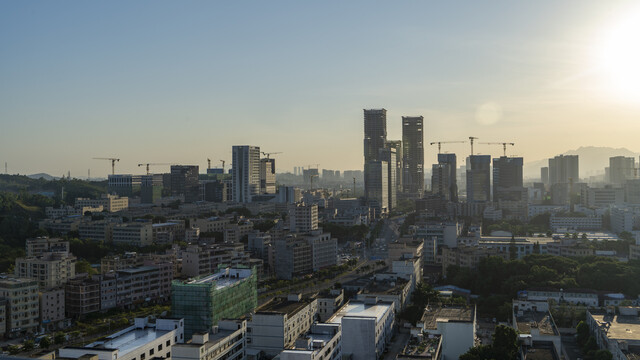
[{"x": 183, "y": 82}]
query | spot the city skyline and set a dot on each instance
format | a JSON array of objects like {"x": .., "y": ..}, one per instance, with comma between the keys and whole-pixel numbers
[{"x": 85, "y": 80}]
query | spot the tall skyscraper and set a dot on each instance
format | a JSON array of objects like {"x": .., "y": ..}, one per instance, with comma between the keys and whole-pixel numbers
[
  {"x": 443, "y": 177},
  {"x": 267, "y": 176},
  {"x": 185, "y": 182},
  {"x": 544, "y": 175},
  {"x": 413, "y": 154},
  {"x": 389, "y": 155},
  {"x": 478, "y": 178},
  {"x": 562, "y": 168},
  {"x": 621, "y": 169},
  {"x": 397, "y": 144},
  {"x": 245, "y": 172},
  {"x": 507, "y": 179},
  {"x": 375, "y": 132},
  {"x": 376, "y": 184}
]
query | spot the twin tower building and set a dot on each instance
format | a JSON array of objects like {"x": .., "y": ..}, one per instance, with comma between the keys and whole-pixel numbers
[{"x": 392, "y": 167}]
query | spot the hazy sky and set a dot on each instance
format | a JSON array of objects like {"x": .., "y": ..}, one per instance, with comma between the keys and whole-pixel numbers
[{"x": 180, "y": 82}]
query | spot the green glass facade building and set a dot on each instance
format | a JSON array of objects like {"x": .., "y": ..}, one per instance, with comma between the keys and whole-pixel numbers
[{"x": 204, "y": 300}]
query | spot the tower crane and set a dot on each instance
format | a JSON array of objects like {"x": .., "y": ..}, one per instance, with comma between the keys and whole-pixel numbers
[
  {"x": 149, "y": 164},
  {"x": 208, "y": 163},
  {"x": 113, "y": 163},
  {"x": 504, "y": 145},
  {"x": 271, "y": 153},
  {"x": 445, "y": 142},
  {"x": 471, "y": 138},
  {"x": 222, "y": 161}
]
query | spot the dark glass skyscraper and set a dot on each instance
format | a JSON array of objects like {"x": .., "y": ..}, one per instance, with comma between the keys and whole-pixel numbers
[
  {"x": 375, "y": 133},
  {"x": 413, "y": 154}
]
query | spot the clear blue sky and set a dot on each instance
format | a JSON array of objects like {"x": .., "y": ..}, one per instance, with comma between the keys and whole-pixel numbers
[{"x": 180, "y": 82}]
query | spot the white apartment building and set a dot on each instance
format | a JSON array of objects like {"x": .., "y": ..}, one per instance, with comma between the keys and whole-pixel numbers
[
  {"x": 49, "y": 270},
  {"x": 245, "y": 173},
  {"x": 110, "y": 203},
  {"x": 23, "y": 306},
  {"x": 456, "y": 325},
  {"x": 142, "y": 341},
  {"x": 303, "y": 218},
  {"x": 322, "y": 342},
  {"x": 367, "y": 328},
  {"x": 227, "y": 341},
  {"x": 276, "y": 325}
]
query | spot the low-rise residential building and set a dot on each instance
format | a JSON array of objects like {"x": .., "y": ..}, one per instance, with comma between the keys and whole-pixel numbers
[
  {"x": 394, "y": 289},
  {"x": 39, "y": 246},
  {"x": 204, "y": 300},
  {"x": 575, "y": 222},
  {"x": 322, "y": 342},
  {"x": 52, "y": 309},
  {"x": 367, "y": 328},
  {"x": 277, "y": 324},
  {"x": 206, "y": 259},
  {"x": 142, "y": 341},
  {"x": 99, "y": 230},
  {"x": 110, "y": 203},
  {"x": 211, "y": 224},
  {"x": 225, "y": 341},
  {"x": 22, "y": 303},
  {"x": 49, "y": 269},
  {"x": 456, "y": 326},
  {"x": 303, "y": 218},
  {"x": 143, "y": 284},
  {"x": 82, "y": 295},
  {"x": 61, "y": 226}
]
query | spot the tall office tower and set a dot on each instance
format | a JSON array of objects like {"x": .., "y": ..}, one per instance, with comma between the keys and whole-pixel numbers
[
  {"x": 544, "y": 175},
  {"x": 245, "y": 173},
  {"x": 267, "y": 176},
  {"x": 375, "y": 132},
  {"x": 478, "y": 178},
  {"x": 507, "y": 179},
  {"x": 389, "y": 155},
  {"x": 450, "y": 161},
  {"x": 397, "y": 144},
  {"x": 413, "y": 154},
  {"x": 375, "y": 185},
  {"x": 440, "y": 180},
  {"x": 185, "y": 182},
  {"x": 562, "y": 168},
  {"x": 621, "y": 169}
]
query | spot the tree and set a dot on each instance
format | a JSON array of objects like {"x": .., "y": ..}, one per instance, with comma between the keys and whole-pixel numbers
[
  {"x": 602, "y": 355},
  {"x": 14, "y": 349},
  {"x": 59, "y": 338},
  {"x": 481, "y": 352},
  {"x": 45, "y": 342},
  {"x": 505, "y": 342},
  {"x": 83, "y": 266},
  {"x": 582, "y": 330},
  {"x": 28, "y": 345}
]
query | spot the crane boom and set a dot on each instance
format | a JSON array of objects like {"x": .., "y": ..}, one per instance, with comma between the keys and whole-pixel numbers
[
  {"x": 113, "y": 163},
  {"x": 148, "y": 164},
  {"x": 504, "y": 145},
  {"x": 445, "y": 142}
]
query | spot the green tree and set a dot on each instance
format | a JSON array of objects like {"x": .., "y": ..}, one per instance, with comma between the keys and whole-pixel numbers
[
  {"x": 28, "y": 345},
  {"x": 582, "y": 331},
  {"x": 482, "y": 352},
  {"x": 83, "y": 266},
  {"x": 14, "y": 349},
  {"x": 602, "y": 355},
  {"x": 505, "y": 342},
  {"x": 59, "y": 338},
  {"x": 45, "y": 342}
]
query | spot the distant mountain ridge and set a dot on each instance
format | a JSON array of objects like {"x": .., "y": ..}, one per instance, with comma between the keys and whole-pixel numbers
[
  {"x": 593, "y": 160},
  {"x": 43, "y": 175}
]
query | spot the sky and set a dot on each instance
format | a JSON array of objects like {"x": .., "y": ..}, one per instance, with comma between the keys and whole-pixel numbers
[{"x": 180, "y": 82}]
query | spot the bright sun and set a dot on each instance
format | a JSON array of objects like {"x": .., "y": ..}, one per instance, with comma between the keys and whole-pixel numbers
[{"x": 619, "y": 57}]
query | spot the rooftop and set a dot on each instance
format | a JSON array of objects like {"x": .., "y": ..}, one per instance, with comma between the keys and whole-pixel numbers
[
  {"x": 427, "y": 348},
  {"x": 618, "y": 326},
  {"x": 129, "y": 340},
  {"x": 224, "y": 278},
  {"x": 536, "y": 319},
  {"x": 360, "y": 309},
  {"x": 432, "y": 316},
  {"x": 284, "y": 306}
]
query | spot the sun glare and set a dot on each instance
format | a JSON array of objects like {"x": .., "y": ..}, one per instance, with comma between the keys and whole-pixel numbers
[{"x": 619, "y": 57}]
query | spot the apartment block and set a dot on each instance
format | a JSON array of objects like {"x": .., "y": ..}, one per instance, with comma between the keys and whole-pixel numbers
[
  {"x": 276, "y": 325},
  {"x": 322, "y": 342},
  {"x": 110, "y": 203},
  {"x": 133, "y": 234},
  {"x": 226, "y": 341},
  {"x": 303, "y": 218},
  {"x": 23, "y": 305},
  {"x": 52, "y": 308},
  {"x": 49, "y": 270}
]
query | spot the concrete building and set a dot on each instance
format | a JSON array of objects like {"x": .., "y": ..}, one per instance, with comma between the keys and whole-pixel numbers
[
  {"x": 36, "y": 247},
  {"x": 206, "y": 259},
  {"x": 293, "y": 256},
  {"x": 303, "y": 218},
  {"x": 389, "y": 155},
  {"x": 322, "y": 342},
  {"x": 203, "y": 301},
  {"x": 377, "y": 186},
  {"x": 184, "y": 182},
  {"x": 142, "y": 341},
  {"x": 397, "y": 145},
  {"x": 478, "y": 179},
  {"x": 144, "y": 284},
  {"x": 563, "y": 169},
  {"x": 617, "y": 333},
  {"x": 621, "y": 169},
  {"x": 124, "y": 184},
  {"x": 468, "y": 256},
  {"x": 413, "y": 154},
  {"x": 602, "y": 197},
  {"x": 456, "y": 326},
  {"x": 99, "y": 230},
  {"x": 49, "y": 269},
  {"x": 110, "y": 203},
  {"x": 443, "y": 177},
  {"x": 226, "y": 341},
  {"x": 367, "y": 328},
  {"x": 329, "y": 302},
  {"x": 535, "y": 324},
  {"x": 622, "y": 219},
  {"x": 82, "y": 295},
  {"x": 586, "y": 297},
  {"x": 544, "y": 175},
  {"x": 52, "y": 309},
  {"x": 267, "y": 176},
  {"x": 245, "y": 173},
  {"x": 277, "y": 324},
  {"x": 575, "y": 223},
  {"x": 133, "y": 234},
  {"x": 436, "y": 235},
  {"x": 22, "y": 304},
  {"x": 507, "y": 179}
]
